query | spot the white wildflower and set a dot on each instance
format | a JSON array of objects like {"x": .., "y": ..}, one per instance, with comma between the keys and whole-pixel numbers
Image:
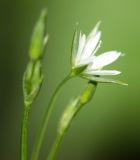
[{"x": 85, "y": 55}]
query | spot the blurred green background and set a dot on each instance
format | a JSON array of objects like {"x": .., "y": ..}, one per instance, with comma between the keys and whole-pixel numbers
[{"x": 106, "y": 129}]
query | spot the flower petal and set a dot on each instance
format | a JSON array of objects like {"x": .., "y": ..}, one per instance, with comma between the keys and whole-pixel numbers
[
  {"x": 87, "y": 61},
  {"x": 105, "y": 59},
  {"x": 102, "y": 72},
  {"x": 94, "y": 30},
  {"x": 91, "y": 45},
  {"x": 97, "y": 48},
  {"x": 104, "y": 80},
  {"x": 75, "y": 43},
  {"x": 82, "y": 40}
]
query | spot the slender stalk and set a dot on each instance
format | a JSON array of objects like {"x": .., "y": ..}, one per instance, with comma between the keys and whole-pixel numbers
[
  {"x": 55, "y": 146},
  {"x": 24, "y": 133},
  {"x": 84, "y": 98},
  {"x": 39, "y": 141}
]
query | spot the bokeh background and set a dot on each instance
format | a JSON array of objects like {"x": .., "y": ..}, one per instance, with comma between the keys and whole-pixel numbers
[{"x": 108, "y": 128}]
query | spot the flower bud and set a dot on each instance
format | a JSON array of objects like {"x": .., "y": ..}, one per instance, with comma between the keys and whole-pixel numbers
[
  {"x": 74, "y": 107},
  {"x": 68, "y": 115},
  {"x": 32, "y": 81},
  {"x": 88, "y": 93},
  {"x": 38, "y": 39}
]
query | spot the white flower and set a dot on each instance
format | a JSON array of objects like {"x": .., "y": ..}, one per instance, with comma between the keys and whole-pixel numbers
[{"x": 83, "y": 54}]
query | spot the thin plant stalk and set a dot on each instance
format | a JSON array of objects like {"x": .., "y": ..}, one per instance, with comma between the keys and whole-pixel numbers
[
  {"x": 33, "y": 77},
  {"x": 39, "y": 141},
  {"x": 55, "y": 146},
  {"x": 24, "y": 134},
  {"x": 69, "y": 115}
]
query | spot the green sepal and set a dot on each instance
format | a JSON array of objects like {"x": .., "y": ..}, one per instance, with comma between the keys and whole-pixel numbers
[
  {"x": 32, "y": 81},
  {"x": 37, "y": 40},
  {"x": 78, "y": 70}
]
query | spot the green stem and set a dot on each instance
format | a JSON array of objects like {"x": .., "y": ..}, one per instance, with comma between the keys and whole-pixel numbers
[
  {"x": 24, "y": 133},
  {"x": 55, "y": 146},
  {"x": 39, "y": 141},
  {"x": 85, "y": 97}
]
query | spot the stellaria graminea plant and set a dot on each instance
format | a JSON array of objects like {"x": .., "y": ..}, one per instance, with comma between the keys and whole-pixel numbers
[{"x": 86, "y": 65}]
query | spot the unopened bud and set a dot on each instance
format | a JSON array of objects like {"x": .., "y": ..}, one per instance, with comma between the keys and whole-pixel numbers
[
  {"x": 38, "y": 37},
  {"x": 74, "y": 107},
  {"x": 68, "y": 115},
  {"x": 32, "y": 81},
  {"x": 88, "y": 93}
]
